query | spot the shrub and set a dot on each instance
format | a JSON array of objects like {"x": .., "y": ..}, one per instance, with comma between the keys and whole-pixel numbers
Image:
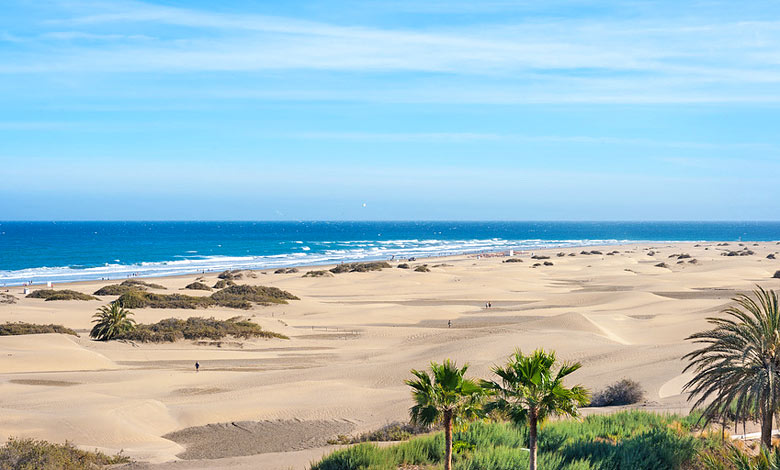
[
  {"x": 286, "y": 271},
  {"x": 403, "y": 266},
  {"x": 174, "y": 329},
  {"x": 222, "y": 283},
  {"x": 31, "y": 454},
  {"x": 127, "y": 286},
  {"x": 197, "y": 286},
  {"x": 776, "y": 275},
  {"x": 318, "y": 273},
  {"x": 22, "y": 328},
  {"x": 661, "y": 265},
  {"x": 243, "y": 296},
  {"x": 624, "y": 392},
  {"x": 232, "y": 275},
  {"x": 360, "y": 267},
  {"x": 65, "y": 294},
  {"x": 540, "y": 257},
  {"x": 7, "y": 299},
  {"x": 423, "y": 268},
  {"x": 548, "y": 263},
  {"x": 513, "y": 260},
  {"x": 387, "y": 433},
  {"x": 141, "y": 299}
]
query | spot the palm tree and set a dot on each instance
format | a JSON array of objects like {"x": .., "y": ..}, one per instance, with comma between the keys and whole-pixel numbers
[
  {"x": 444, "y": 398},
  {"x": 530, "y": 390},
  {"x": 111, "y": 321},
  {"x": 740, "y": 361}
]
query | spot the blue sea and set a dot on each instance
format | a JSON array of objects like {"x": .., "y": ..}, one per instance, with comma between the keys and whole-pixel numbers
[{"x": 71, "y": 251}]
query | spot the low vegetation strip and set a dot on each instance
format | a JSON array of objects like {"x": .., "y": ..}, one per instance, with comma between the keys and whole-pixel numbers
[
  {"x": 360, "y": 267},
  {"x": 31, "y": 454},
  {"x": 635, "y": 440},
  {"x": 235, "y": 296},
  {"x": 65, "y": 294},
  {"x": 193, "y": 328},
  {"x": 22, "y": 328}
]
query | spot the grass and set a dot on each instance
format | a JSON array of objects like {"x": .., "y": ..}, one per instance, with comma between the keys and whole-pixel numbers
[
  {"x": 360, "y": 267},
  {"x": 65, "y": 294},
  {"x": 236, "y": 296},
  {"x": 127, "y": 286},
  {"x": 626, "y": 440},
  {"x": 22, "y": 328},
  {"x": 390, "y": 432},
  {"x": 31, "y": 454},
  {"x": 197, "y": 286},
  {"x": 193, "y": 328}
]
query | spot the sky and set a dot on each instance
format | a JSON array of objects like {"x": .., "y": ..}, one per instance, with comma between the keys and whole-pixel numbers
[{"x": 389, "y": 110}]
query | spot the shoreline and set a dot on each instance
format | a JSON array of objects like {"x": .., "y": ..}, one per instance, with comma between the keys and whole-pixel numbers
[{"x": 317, "y": 264}]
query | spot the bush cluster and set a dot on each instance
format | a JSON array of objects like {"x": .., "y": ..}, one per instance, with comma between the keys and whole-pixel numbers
[
  {"x": 624, "y": 392},
  {"x": 127, "y": 286},
  {"x": 513, "y": 260},
  {"x": 388, "y": 433},
  {"x": 174, "y": 329},
  {"x": 7, "y": 299},
  {"x": 286, "y": 271},
  {"x": 222, "y": 283},
  {"x": 65, "y": 294},
  {"x": 423, "y": 268},
  {"x": 360, "y": 267},
  {"x": 31, "y": 454},
  {"x": 197, "y": 286},
  {"x": 22, "y": 328},
  {"x": 235, "y": 296},
  {"x": 318, "y": 273}
]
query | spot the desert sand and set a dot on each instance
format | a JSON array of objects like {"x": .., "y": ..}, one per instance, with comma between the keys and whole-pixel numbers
[{"x": 354, "y": 337}]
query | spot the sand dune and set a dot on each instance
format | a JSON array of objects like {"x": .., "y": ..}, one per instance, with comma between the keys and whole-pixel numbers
[{"x": 353, "y": 339}]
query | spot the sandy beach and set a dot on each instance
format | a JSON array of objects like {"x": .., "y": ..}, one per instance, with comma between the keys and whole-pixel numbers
[{"x": 274, "y": 403}]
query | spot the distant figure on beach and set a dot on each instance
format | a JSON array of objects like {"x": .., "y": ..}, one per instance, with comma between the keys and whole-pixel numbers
[
  {"x": 449, "y": 323},
  {"x": 197, "y": 366},
  {"x": 490, "y": 305}
]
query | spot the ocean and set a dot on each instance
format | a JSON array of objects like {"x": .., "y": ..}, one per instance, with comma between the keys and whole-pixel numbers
[{"x": 70, "y": 251}]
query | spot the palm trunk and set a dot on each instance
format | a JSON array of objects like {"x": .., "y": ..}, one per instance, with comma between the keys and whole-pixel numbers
[
  {"x": 448, "y": 440},
  {"x": 766, "y": 429},
  {"x": 532, "y": 439}
]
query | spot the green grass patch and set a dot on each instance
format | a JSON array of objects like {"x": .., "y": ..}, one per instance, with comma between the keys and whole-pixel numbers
[
  {"x": 142, "y": 299},
  {"x": 64, "y": 294},
  {"x": 626, "y": 440},
  {"x": 390, "y": 432},
  {"x": 22, "y": 328},
  {"x": 31, "y": 454},
  {"x": 193, "y": 328},
  {"x": 360, "y": 267}
]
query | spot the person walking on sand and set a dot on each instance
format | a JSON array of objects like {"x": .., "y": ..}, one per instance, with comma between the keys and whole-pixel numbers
[
  {"x": 197, "y": 366},
  {"x": 449, "y": 323}
]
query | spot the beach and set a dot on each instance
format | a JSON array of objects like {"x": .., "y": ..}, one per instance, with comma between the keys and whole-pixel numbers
[{"x": 274, "y": 403}]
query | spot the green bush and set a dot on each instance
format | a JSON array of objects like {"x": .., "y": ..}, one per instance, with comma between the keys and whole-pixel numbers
[
  {"x": 233, "y": 275},
  {"x": 423, "y": 268},
  {"x": 403, "y": 266},
  {"x": 243, "y": 296},
  {"x": 387, "y": 433},
  {"x": 222, "y": 283},
  {"x": 65, "y": 294},
  {"x": 31, "y": 454},
  {"x": 197, "y": 286},
  {"x": 513, "y": 260},
  {"x": 360, "y": 267},
  {"x": 22, "y": 328},
  {"x": 142, "y": 299},
  {"x": 193, "y": 328},
  {"x": 127, "y": 286},
  {"x": 318, "y": 273},
  {"x": 7, "y": 299},
  {"x": 286, "y": 271},
  {"x": 626, "y": 440}
]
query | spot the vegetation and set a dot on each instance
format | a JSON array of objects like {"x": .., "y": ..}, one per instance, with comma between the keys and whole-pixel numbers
[
  {"x": 403, "y": 266},
  {"x": 235, "y": 296},
  {"x": 31, "y": 454},
  {"x": 445, "y": 397},
  {"x": 360, "y": 267},
  {"x": 623, "y": 392},
  {"x": 423, "y": 268},
  {"x": 193, "y": 328},
  {"x": 318, "y": 273},
  {"x": 513, "y": 260},
  {"x": 127, "y": 286},
  {"x": 222, "y": 283},
  {"x": 233, "y": 275},
  {"x": 286, "y": 271},
  {"x": 7, "y": 299},
  {"x": 197, "y": 286},
  {"x": 65, "y": 294},
  {"x": 22, "y": 328},
  {"x": 626, "y": 440},
  {"x": 739, "y": 363},
  {"x": 111, "y": 321},
  {"x": 531, "y": 389},
  {"x": 776, "y": 275}
]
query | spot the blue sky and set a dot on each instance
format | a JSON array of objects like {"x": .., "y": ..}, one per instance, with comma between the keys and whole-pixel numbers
[{"x": 373, "y": 109}]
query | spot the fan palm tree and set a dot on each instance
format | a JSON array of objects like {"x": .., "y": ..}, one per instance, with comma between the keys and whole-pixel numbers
[
  {"x": 110, "y": 321},
  {"x": 740, "y": 361},
  {"x": 445, "y": 397},
  {"x": 530, "y": 389}
]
